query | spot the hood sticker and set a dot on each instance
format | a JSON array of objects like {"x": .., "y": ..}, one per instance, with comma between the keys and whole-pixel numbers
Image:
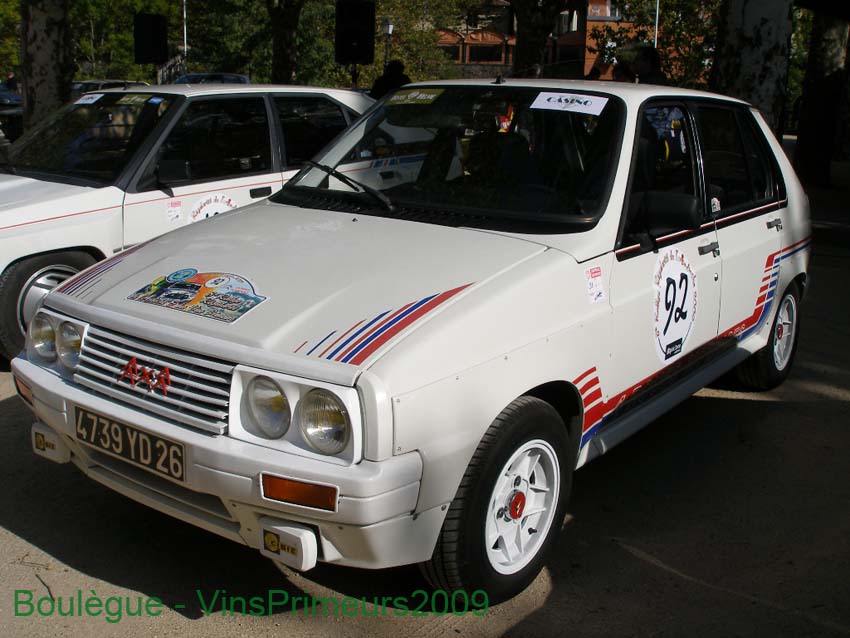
[
  {"x": 214, "y": 295},
  {"x": 356, "y": 344}
]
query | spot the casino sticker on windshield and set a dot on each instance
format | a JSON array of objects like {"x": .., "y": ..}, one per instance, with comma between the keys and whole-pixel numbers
[
  {"x": 214, "y": 295},
  {"x": 573, "y": 102}
]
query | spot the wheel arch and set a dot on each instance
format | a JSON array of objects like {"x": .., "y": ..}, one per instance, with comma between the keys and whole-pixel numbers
[
  {"x": 96, "y": 254},
  {"x": 566, "y": 399}
]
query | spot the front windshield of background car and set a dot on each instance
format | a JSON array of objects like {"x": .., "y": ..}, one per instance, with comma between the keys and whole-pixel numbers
[
  {"x": 92, "y": 139},
  {"x": 488, "y": 153}
]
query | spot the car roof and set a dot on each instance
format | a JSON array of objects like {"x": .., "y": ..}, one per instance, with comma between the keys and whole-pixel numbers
[
  {"x": 632, "y": 94},
  {"x": 190, "y": 90}
]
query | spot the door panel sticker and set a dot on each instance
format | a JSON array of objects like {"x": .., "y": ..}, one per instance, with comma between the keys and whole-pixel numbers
[
  {"x": 212, "y": 204},
  {"x": 595, "y": 289},
  {"x": 215, "y": 295},
  {"x": 174, "y": 212},
  {"x": 675, "y": 305}
]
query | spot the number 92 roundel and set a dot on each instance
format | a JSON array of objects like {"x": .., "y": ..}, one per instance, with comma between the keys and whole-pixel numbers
[{"x": 675, "y": 305}]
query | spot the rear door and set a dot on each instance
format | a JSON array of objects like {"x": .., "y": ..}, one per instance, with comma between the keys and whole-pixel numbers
[
  {"x": 747, "y": 199},
  {"x": 222, "y": 148}
]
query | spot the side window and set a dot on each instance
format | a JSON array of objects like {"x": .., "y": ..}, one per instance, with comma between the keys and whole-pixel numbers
[
  {"x": 760, "y": 158},
  {"x": 663, "y": 167},
  {"x": 728, "y": 183},
  {"x": 221, "y": 139},
  {"x": 308, "y": 124}
]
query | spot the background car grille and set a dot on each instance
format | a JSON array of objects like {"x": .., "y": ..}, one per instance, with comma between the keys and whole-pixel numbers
[{"x": 199, "y": 393}]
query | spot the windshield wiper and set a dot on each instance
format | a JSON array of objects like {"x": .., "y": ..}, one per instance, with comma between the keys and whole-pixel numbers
[{"x": 353, "y": 183}]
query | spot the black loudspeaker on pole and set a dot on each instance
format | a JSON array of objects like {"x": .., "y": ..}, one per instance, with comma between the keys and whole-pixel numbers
[
  {"x": 150, "y": 38},
  {"x": 354, "y": 42}
]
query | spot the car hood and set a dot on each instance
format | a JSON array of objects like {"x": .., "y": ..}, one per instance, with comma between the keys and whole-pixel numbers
[
  {"x": 335, "y": 288},
  {"x": 30, "y": 198}
]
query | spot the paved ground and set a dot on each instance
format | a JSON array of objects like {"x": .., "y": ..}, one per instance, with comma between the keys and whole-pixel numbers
[{"x": 727, "y": 517}]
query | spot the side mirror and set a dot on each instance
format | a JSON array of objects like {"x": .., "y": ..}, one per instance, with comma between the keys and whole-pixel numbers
[
  {"x": 173, "y": 172},
  {"x": 667, "y": 213}
]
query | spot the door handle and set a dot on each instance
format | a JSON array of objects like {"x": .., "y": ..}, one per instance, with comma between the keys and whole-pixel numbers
[
  {"x": 713, "y": 248},
  {"x": 265, "y": 191},
  {"x": 775, "y": 223}
]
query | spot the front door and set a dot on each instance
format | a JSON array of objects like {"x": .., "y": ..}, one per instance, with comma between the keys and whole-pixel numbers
[
  {"x": 665, "y": 288},
  {"x": 217, "y": 157}
]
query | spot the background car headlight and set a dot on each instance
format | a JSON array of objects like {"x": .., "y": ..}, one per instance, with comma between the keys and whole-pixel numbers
[
  {"x": 324, "y": 422},
  {"x": 268, "y": 408},
  {"x": 69, "y": 341},
  {"x": 41, "y": 337}
]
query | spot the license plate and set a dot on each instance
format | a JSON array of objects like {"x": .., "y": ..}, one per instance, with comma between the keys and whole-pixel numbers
[{"x": 140, "y": 448}]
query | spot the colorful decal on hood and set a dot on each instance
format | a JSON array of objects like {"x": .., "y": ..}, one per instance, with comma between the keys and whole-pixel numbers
[
  {"x": 212, "y": 204},
  {"x": 356, "y": 344},
  {"x": 675, "y": 303},
  {"x": 215, "y": 295},
  {"x": 79, "y": 285}
]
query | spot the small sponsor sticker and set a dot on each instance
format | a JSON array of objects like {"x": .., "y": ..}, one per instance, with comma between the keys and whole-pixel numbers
[
  {"x": 89, "y": 98},
  {"x": 214, "y": 295},
  {"x": 715, "y": 205},
  {"x": 415, "y": 96},
  {"x": 155, "y": 100},
  {"x": 573, "y": 102},
  {"x": 595, "y": 289},
  {"x": 174, "y": 212}
]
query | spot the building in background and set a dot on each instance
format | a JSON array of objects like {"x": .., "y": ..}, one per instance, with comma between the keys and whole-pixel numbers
[{"x": 483, "y": 44}]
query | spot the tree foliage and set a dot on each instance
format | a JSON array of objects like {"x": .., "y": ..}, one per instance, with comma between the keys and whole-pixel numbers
[
  {"x": 10, "y": 36},
  {"x": 687, "y": 34}
]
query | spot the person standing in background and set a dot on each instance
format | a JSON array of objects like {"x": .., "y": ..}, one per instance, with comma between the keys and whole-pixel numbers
[
  {"x": 647, "y": 66},
  {"x": 393, "y": 78},
  {"x": 12, "y": 82}
]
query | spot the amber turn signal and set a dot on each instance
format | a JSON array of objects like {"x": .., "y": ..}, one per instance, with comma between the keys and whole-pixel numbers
[
  {"x": 23, "y": 390},
  {"x": 286, "y": 490}
]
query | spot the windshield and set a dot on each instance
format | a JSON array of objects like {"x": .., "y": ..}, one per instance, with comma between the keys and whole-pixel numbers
[
  {"x": 485, "y": 156},
  {"x": 92, "y": 139}
]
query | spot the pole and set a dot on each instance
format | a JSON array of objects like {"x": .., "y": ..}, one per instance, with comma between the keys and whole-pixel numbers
[
  {"x": 657, "y": 2},
  {"x": 185, "y": 40}
]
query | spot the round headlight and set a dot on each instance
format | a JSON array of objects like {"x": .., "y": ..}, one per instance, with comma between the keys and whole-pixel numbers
[
  {"x": 69, "y": 340},
  {"x": 268, "y": 408},
  {"x": 42, "y": 337},
  {"x": 324, "y": 422}
]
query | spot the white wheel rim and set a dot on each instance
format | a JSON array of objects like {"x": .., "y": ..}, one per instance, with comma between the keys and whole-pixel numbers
[
  {"x": 784, "y": 332},
  {"x": 522, "y": 506}
]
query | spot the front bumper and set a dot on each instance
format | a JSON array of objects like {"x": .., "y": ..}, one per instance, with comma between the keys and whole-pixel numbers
[{"x": 373, "y": 526}]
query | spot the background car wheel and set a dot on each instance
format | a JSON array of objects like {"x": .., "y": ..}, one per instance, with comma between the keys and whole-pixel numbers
[
  {"x": 510, "y": 505},
  {"x": 769, "y": 367},
  {"x": 24, "y": 284}
]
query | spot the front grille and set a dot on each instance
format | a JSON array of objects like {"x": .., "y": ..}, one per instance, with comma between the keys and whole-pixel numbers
[{"x": 199, "y": 390}]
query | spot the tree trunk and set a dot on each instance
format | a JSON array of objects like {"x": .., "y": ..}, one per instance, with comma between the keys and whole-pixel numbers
[
  {"x": 823, "y": 89},
  {"x": 284, "y": 16},
  {"x": 535, "y": 20},
  {"x": 47, "y": 65},
  {"x": 751, "y": 58}
]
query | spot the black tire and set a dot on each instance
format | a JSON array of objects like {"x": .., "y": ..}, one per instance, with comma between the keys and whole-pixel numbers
[
  {"x": 460, "y": 559},
  {"x": 761, "y": 371},
  {"x": 16, "y": 277}
]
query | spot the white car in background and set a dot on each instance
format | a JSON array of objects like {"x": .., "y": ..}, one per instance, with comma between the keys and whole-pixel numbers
[
  {"x": 403, "y": 355},
  {"x": 118, "y": 167}
]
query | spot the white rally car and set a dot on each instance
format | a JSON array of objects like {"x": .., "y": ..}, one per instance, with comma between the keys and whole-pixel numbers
[
  {"x": 118, "y": 167},
  {"x": 384, "y": 365}
]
